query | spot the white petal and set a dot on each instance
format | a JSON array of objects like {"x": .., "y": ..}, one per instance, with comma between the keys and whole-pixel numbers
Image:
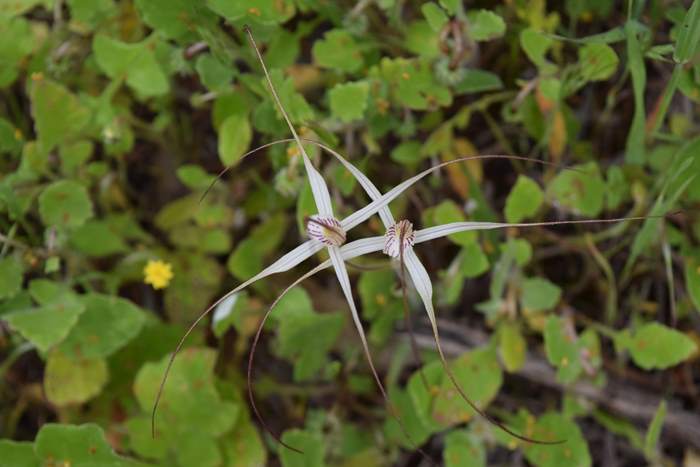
[
  {"x": 366, "y": 183},
  {"x": 224, "y": 309},
  {"x": 443, "y": 230},
  {"x": 421, "y": 281},
  {"x": 318, "y": 187},
  {"x": 344, "y": 281}
]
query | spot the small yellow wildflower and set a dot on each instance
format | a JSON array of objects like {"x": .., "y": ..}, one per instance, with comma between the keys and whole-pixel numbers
[{"x": 158, "y": 273}]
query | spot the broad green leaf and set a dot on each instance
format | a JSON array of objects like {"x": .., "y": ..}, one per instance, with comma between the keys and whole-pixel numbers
[
  {"x": 267, "y": 12},
  {"x": 478, "y": 81},
  {"x": 523, "y": 200},
  {"x": 422, "y": 40},
  {"x": 134, "y": 62},
  {"x": 479, "y": 375},
  {"x": 539, "y": 294},
  {"x": 245, "y": 448},
  {"x": 598, "y": 62},
  {"x": 50, "y": 99},
  {"x": 381, "y": 303},
  {"x": 462, "y": 449},
  {"x": 304, "y": 336},
  {"x": 141, "y": 440},
  {"x": 10, "y": 277},
  {"x": 235, "y": 135},
  {"x": 12, "y": 52},
  {"x": 338, "y": 50},
  {"x": 190, "y": 402},
  {"x": 107, "y": 325},
  {"x": 215, "y": 75},
  {"x": 10, "y": 8},
  {"x": 293, "y": 102},
  {"x": 435, "y": 15},
  {"x": 404, "y": 404},
  {"x": 535, "y": 44},
  {"x": 553, "y": 426},
  {"x": 348, "y": 101},
  {"x": 84, "y": 239},
  {"x": 311, "y": 445},
  {"x": 76, "y": 446},
  {"x": 65, "y": 204},
  {"x": 581, "y": 191},
  {"x": 512, "y": 346},
  {"x": 407, "y": 153},
  {"x": 485, "y": 25},
  {"x": 175, "y": 19},
  {"x": 413, "y": 84},
  {"x": 656, "y": 347},
  {"x": 49, "y": 324},
  {"x": 17, "y": 454},
  {"x": 474, "y": 261},
  {"x": 73, "y": 380},
  {"x": 567, "y": 351},
  {"x": 88, "y": 15},
  {"x": 194, "y": 177}
]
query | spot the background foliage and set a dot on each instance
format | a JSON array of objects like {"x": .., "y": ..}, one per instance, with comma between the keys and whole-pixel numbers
[{"x": 116, "y": 115}]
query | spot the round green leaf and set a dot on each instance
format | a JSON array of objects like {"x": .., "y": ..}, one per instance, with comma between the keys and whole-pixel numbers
[
  {"x": 235, "y": 135},
  {"x": 655, "y": 346},
  {"x": 485, "y": 25},
  {"x": 17, "y": 454},
  {"x": 539, "y": 294},
  {"x": 523, "y": 200},
  {"x": 338, "y": 50},
  {"x": 553, "y": 426},
  {"x": 49, "y": 100},
  {"x": 349, "y": 101},
  {"x": 73, "y": 380},
  {"x": 65, "y": 204},
  {"x": 10, "y": 277},
  {"x": 311, "y": 445}
]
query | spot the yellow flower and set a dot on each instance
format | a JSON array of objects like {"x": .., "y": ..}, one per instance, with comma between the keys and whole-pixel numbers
[{"x": 158, "y": 274}]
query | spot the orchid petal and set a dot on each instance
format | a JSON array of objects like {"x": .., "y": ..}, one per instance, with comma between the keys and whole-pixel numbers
[
  {"x": 421, "y": 281},
  {"x": 444, "y": 230},
  {"x": 318, "y": 185},
  {"x": 365, "y": 182}
]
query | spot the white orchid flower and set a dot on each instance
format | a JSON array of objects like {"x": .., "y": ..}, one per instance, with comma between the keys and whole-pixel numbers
[{"x": 325, "y": 231}]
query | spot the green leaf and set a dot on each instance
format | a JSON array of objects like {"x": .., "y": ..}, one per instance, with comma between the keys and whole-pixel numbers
[
  {"x": 12, "y": 52},
  {"x": 87, "y": 15},
  {"x": 474, "y": 261},
  {"x": 539, "y": 294},
  {"x": 194, "y": 177},
  {"x": 49, "y": 324},
  {"x": 338, "y": 50},
  {"x": 311, "y": 445},
  {"x": 553, "y": 426},
  {"x": 304, "y": 336},
  {"x": 174, "y": 18},
  {"x": 567, "y": 351},
  {"x": 692, "y": 281},
  {"x": 535, "y": 44},
  {"x": 689, "y": 36},
  {"x": 478, "y": 81},
  {"x": 462, "y": 449},
  {"x": 582, "y": 191},
  {"x": 17, "y": 454},
  {"x": 348, "y": 101},
  {"x": 215, "y": 75},
  {"x": 447, "y": 212},
  {"x": 413, "y": 84},
  {"x": 268, "y": 12},
  {"x": 245, "y": 448},
  {"x": 656, "y": 347},
  {"x": 523, "y": 200},
  {"x": 435, "y": 15},
  {"x": 190, "y": 402},
  {"x": 73, "y": 380},
  {"x": 134, "y": 62},
  {"x": 77, "y": 446},
  {"x": 294, "y": 103},
  {"x": 10, "y": 8},
  {"x": 84, "y": 239},
  {"x": 107, "y": 325},
  {"x": 479, "y": 375},
  {"x": 50, "y": 99},
  {"x": 485, "y": 25},
  {"x": 407, "y": 153},
  {"x": 651, "y": 440},
  {"x": 235, "y": 135},
  {"x": 512, "y": 346},
  {"x": 598, "y": 62},
  {"x": 65, "y": 204},
  {"x": 10, "y": 277},
  {"x": 634, "y": 148}
]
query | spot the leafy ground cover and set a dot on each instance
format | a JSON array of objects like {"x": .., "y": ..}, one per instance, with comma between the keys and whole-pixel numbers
[{"x": 117, "y": 116}]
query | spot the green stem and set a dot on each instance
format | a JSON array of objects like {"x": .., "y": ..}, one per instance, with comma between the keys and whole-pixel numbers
[{"x": 666, "y": 98}]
